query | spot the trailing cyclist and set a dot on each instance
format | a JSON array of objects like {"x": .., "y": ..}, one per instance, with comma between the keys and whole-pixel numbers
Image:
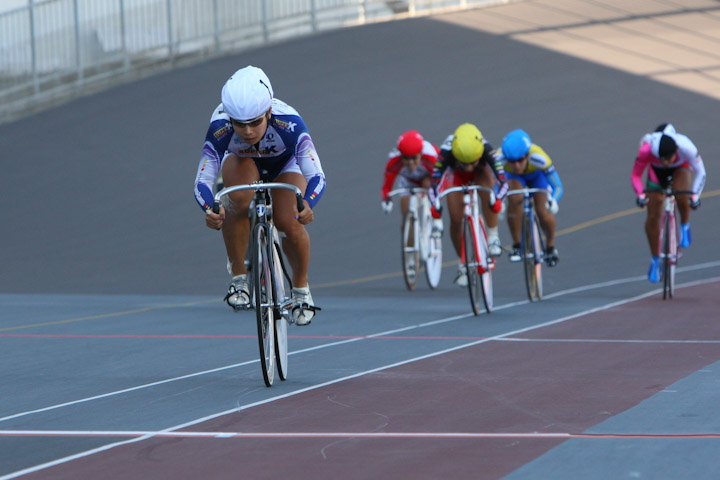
[
  {"x": 528, "y": 166},
  {"x": 254, "y": 136},
  {"x": 466, "y": 159},
  {"x": 410, "y": 164},
  {"x": 673, "y": 160}
]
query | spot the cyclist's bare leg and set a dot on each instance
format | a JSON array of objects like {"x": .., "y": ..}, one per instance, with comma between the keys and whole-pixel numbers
[
  {"x": 486, "y": 178},
  {"x": 652, "y": 223},
  {"x": 456, "y": 209},
  {"x": 547, "y": 219},
  {"x": 514, "y": 211},
  {"x": 296, "y": 243},
  {"x": 236, "y": 227},
  {"x": 682, "y": 180}
]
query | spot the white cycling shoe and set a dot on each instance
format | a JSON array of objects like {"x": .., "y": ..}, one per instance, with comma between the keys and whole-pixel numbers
[
  {"x": 494, "y": 247},
  {"x": 303, "y": 309},
  {"x": 461, "y": 280},
  {"x": 238, "y": 295}
]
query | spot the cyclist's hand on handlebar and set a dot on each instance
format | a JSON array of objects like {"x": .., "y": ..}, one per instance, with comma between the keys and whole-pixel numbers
[
  {"x": 642, "y": 201},
  {"x": 694, "y": 202},
  {"x": 433, "y": 197},
  {"x": 215, "y": 220},
  {"x": 552, "y": 206},
  {"x": 387, "y": 206},
  {"x": 307, "y": 215}
]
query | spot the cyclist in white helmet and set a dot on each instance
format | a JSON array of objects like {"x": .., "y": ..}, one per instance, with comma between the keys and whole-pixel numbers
[{"x": 255, "y": 136}]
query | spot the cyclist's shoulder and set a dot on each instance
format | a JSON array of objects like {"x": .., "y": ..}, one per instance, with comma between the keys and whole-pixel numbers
[
  {"x": 220, "y": 129},
  {"x": 430, "y": 150},
  {"x": 539, "y": 158},
  {"x": 286, "y": 120}
]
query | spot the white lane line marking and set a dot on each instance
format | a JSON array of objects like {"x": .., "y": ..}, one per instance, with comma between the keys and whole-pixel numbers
[{"x": 225, "y": 435}]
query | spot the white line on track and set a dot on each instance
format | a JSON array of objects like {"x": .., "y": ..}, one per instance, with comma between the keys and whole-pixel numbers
[
  {"x": 225, "y": 435},
  {"x": 169, "y": 430}
]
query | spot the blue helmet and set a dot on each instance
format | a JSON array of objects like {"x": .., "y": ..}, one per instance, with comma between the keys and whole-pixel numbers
[{"x": 516, "y": 145}]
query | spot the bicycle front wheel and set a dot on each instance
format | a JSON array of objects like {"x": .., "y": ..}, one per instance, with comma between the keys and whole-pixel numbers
[
  {"x": 410, "y": 251},
  {"x": 432, "y": 251},
  {"x": 281, "y": 290},
  {"x": 533, "y": 252},
  {"x": 264, "y": 302},
  {"x": 669, "y": 253},
  {"x": 477, "y": 268}
]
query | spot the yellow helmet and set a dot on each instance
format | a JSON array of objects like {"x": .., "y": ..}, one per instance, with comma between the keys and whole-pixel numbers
[{"x": 467, "y": 144}]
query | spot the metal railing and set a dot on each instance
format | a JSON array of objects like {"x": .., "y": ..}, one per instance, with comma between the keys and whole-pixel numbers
[{"x": 52, "y": 50}]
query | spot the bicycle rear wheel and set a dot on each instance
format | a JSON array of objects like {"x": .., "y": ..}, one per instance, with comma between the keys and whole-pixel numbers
[
  {"x": 281, "y": 288},
  {"x": 410, "y": 251},
  {"x": 475, "y": 259},
  {"x": 264, "y": 303}
]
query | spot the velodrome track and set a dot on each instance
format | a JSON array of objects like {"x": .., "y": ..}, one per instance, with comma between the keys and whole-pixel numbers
[{"x": 121, "y": 361}]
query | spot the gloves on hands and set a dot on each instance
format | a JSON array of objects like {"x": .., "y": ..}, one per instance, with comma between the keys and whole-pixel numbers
[
  {"x": 642, "y": 201},
  {"x": 387, "y": 206},
  {"x": 695, "y": 202},
  {"x": 552, "y": 206}
]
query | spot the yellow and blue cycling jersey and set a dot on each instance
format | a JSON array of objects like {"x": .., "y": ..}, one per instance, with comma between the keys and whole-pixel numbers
[{"x": 539, "y": 171}]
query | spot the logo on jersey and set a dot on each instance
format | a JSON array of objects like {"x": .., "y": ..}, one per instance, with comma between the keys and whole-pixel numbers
[
  {"x": 222, "y": 131},
  {"x": 290, "y": 126}
]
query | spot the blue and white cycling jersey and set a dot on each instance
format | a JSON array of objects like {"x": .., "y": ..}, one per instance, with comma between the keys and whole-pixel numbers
[{"x": 286, "y": 146}]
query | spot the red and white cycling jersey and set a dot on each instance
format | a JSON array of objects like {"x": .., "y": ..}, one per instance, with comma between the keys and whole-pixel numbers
[{"x": 396, "y": 169}]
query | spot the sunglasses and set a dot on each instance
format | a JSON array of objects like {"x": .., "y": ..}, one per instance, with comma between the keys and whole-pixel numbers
[{"x": 255, "y": 122}]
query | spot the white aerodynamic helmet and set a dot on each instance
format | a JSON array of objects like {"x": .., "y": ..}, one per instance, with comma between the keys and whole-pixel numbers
[{"x": 247, "y": 94}]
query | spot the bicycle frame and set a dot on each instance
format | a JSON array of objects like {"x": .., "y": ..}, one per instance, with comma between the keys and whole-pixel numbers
[
  {"x": 267, "y": 269},
  {"x": 424, "y": 249},
  {"x": 669, "y": 249},
  {"x": 532, "y": 243},
  {"x": 474, "y": 255}
]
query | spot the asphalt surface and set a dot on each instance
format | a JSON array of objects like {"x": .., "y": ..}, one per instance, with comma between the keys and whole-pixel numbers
[{"x": 111, "y": 281}]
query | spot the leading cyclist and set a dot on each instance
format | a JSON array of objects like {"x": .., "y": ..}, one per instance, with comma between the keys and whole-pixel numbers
[
  {"x": 673, "y": 159},
  {"x": 255, "y": 136},
  {"x": 466, "y": 159},
  {"x": 527, "y": 165}
]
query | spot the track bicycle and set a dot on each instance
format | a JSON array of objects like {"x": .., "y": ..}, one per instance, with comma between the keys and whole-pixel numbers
[
  {"x": 669, "y": 249},
  {"x": 532, "y": 243},
  {"x": 419, "y": 245},
  {"x": 475, "y": 255},
  {"x": 268, "y": 278}
]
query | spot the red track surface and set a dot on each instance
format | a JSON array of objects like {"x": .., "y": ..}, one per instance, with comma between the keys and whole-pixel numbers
[{"x": 409, "y": 421}]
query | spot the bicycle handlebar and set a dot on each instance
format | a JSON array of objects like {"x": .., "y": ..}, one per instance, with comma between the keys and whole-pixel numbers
[
  {"x": 669, "y": 191},
  {"x": 256, "y": 187},
  {"x": 469, "y": 188},
  {"x": 526, "y": 191},
  {"x": 407, "y": 191}
]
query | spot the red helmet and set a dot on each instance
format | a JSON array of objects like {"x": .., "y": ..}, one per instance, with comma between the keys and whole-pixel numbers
[{"x": 410, "y": 143}]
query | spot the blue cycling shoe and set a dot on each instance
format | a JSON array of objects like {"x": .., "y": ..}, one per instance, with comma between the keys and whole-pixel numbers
[
  {"x": 686, "y": 236},
  {"x": 654, "y": 272}
]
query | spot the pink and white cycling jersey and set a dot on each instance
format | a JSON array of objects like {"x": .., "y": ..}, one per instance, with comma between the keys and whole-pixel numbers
[{"x": 687, "y": 157}]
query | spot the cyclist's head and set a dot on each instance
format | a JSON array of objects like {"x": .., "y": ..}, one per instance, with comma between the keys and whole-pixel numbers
[
  {"x": 410, "y": 144},
  {"x": 663, "y": 146},
  {"x": 247, "y": 95},
  {"x": 516, "y": 145},
  {"x": 467, "y": 143},
  {"x": 666, "y": 128}
]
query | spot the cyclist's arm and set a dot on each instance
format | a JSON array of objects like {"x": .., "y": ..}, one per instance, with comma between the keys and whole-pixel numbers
[
  {"x": 699, "y": 179},
  {"x": 641, "y": 163},
  {"x": 554, "y": 180},
  {"x": 392, "y": 169},
  {"x": 310, "y": 166},
  {"x": 216, "y": 141}
]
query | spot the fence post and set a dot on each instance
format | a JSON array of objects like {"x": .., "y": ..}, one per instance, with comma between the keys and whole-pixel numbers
[
  {"x": 266, "y": 34},
  {"x": 123, "y": 39},
  {"x": 78, "y": 48},
  {"x": 216, "y": 26},
  {"x": 33, "y": 46},
  {"x": 171, "y": 50},
  {"x": 313, "y": 16}
]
